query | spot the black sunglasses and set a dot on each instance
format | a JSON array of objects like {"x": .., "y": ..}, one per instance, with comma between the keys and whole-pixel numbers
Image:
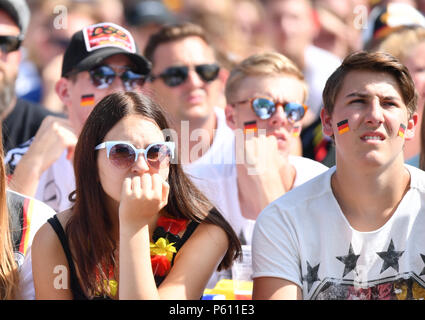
[
  {"x": 10, "y": 43},
  {"x": 103, "y": 76},
  {"x": 175, "y": 76}
]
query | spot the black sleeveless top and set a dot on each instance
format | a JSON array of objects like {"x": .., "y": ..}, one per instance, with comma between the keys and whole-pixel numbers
[{"x": 77, "y": 291}]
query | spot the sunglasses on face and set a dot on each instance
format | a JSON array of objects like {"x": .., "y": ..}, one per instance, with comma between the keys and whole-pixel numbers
[
  {"x": 103, "y": 76},
  {"x": 9, "y": 43},
  {"x": 264, "y": 108},
  {"x": 175, "y": 76},
  {"x": 123, "y": 154}
]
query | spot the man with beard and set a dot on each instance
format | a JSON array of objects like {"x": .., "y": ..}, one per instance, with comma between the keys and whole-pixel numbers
[{"x": 21, "y": 119}]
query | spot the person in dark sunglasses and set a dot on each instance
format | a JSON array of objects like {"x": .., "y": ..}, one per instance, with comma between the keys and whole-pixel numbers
[
  {"x": 265, "y": 96},
  {"x": 177, "y": 75},
  {"x": 103, "y": 76},
  {"x": 99, "y": 60},
  {"x": 188, "y": 81},
  {"x": 185, "y": 78},
  {"x": 9, "y": 44},
  {"x": 20, "y": 118},
  {"x": 145, "y": 225}
]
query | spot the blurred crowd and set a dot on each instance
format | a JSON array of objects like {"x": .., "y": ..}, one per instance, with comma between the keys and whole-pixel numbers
[
  {"x": 315, "y": 34},
  {"x": 203, "y": 62}
]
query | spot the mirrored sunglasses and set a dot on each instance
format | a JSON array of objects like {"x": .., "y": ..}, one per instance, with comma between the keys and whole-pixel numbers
[
  {"x": 264, "y": 108},
  {"x": 175, "y": 76},
  {"x": 123, "y": 154},
  {"x": 9, "y": 43},
  {"x": 103, "y": 76}
]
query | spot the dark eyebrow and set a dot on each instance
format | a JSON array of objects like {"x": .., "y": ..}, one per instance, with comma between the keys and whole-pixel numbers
[
  {"x": 357, "y": 95},
  {"x": 392, "y": 98},
  {"x": 365, "y": 95}
]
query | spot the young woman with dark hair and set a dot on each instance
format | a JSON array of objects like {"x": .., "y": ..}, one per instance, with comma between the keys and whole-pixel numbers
[{"x": 139, "y": 229}]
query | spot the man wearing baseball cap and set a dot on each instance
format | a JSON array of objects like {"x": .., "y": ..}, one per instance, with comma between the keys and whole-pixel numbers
[
  {"x": 100, "y": 59},
  {"x": 20, "y": 119}
]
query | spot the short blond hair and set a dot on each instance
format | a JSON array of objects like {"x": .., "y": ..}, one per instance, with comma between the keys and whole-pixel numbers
[
  {"x": 262, "y": 64},
  {"x": 400, "y": 43}
]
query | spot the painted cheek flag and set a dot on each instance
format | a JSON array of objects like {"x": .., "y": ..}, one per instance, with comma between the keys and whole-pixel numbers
[
  {"x": 401, "y": 130},
  {"x": 343, "y": 126},
  {"x": 250, "y": 126},
  {"x": 296, "y": 131},
  {"x": 87, "y": 100}
]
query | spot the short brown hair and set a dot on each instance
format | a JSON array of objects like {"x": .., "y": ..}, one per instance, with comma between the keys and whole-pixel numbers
[
  {"x": 171, "y": 33},
  {"x": 375, "y": 62},
  {"x": 262, "y": 64}
]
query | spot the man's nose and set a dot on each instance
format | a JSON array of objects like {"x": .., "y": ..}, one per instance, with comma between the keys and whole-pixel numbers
[
  {"x": 193, "y": 79},
  {"x": 117, "y": 85},
  {"x": 3, "y": 54},
  {"x": 375, "y": 113},
  {"x": 279, "y": 118}
]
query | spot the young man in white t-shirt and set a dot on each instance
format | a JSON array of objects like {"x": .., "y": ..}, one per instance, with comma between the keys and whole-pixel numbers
[
  {"x": 358, "y": 230},
  {"x": 265, "y": 96}
]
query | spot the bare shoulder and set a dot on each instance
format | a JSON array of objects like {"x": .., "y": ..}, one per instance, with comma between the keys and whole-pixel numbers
[
  {"x": 46, "y": 237},
  {"x": 47, "y": 255},
  {"x": 211, "y": 233},
  {"x": 206, "y": 235},
  {"x": 64, "y": 217}
]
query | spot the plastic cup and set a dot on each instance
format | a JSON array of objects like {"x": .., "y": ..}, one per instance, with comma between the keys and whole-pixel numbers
[{"x": 242, "y": 275}]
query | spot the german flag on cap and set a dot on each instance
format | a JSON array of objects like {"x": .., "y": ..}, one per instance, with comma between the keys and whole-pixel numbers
[
  {"x": 87, "y": 100},
  {"x": 250, "y": 126},
  {"x": 401, "y": 130},
  {"x": 343, "y": 126}
]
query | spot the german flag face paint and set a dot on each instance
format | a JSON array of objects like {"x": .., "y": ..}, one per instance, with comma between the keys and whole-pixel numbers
[
  {"x": 296, "y": 131},
  {"x": 250, "y": 126},
  {"x": 401, "y": 130},
  {"x": 343, "y": 126},
  {"x": 87, "y": 100}
]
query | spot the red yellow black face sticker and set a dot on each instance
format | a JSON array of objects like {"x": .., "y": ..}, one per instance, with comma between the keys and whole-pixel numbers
[
  {"x": 87, "y": 100},
  {"x": 401, "y": 130},
  {"x": 250, "y": 126},
  {"x": 343, "y": 126},
  {"x": 296, "y": 131}
]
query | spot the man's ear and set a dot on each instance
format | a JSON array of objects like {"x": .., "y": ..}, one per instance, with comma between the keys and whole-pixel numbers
[
  {"x": 326, "y": 123},
  {"x": 411, "y": 126},
  {"x": 230, "y": 113},
  {"x": 62, "y": 90},
  {"x": 223, "y": 75}
]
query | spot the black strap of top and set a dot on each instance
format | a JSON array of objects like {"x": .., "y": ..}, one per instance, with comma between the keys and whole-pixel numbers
[
  {"x": 75, "y": 285},
  {"x": 189, "y": 230}
]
